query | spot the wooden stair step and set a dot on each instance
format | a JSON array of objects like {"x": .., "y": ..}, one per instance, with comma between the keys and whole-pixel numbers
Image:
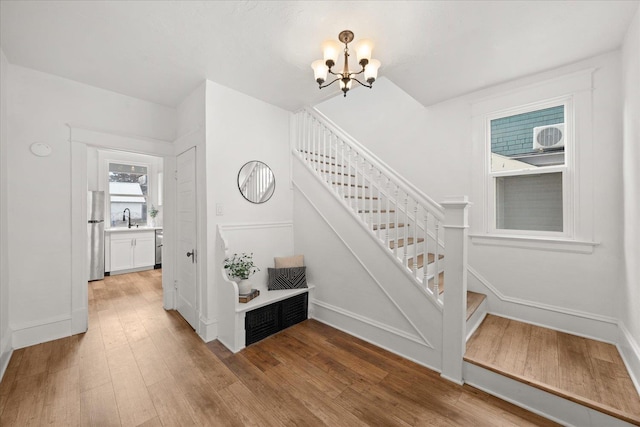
[
  {"x": 430, "y": 260},
  {"x": 375, "y": 211},
  {"x": 360, "y": 197},
  {"x": 317, "y": 154},
  {"x": 588, "y": 372},
  {"x": 474, "y": 299},
  {"x": 401, "y": 242},
  {"x": 384, "y": 226},
  {"x": 336, "y": 173},
  {"x": 349, "y": 185},
  {"x": 325, "y": 163}
]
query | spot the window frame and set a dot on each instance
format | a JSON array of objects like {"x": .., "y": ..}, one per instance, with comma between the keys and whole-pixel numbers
[
  {"x": 567, "y": 169},
  {"x": 108, "y": 188}
]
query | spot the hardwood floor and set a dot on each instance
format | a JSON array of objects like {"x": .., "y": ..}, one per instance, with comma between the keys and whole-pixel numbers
[
  {"x": 141, "y": 365},
  {"x": 582, "y": 370}
]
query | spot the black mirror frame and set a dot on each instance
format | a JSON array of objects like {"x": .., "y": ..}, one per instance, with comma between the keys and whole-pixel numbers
[{"x": 274, "y": 182}]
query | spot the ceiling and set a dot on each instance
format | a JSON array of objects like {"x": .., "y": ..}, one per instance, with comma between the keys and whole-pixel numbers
[{"x": 161, "y": 51}]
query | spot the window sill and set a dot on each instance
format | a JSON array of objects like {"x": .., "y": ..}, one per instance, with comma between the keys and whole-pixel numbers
[{"x": 535, "y": 243}]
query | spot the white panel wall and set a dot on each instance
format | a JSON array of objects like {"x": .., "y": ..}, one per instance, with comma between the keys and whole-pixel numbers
[
  {"x": 240, "y": 129},
  {"x": 5, "y": 331},
  {"x": 630, "y": 295},
  {"x": 39, "y": 188},
  {"x": 432, "y": 147}
]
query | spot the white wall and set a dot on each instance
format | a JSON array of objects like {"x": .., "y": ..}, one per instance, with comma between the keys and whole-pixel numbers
[
  {"x": 395, "y": 127},
  {"x": 5, "y": 331},
  {"x": 240, "y": 129},
  {"x": 630, "y": 293},
  {"x": 433, "y": 148},
  {"x": 39, "y": 188}
]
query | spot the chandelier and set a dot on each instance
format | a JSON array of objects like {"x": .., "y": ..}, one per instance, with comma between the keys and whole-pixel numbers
[{"x": 331, "y": 50}]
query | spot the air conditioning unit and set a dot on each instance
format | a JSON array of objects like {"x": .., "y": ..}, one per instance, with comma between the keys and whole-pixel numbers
[{"x": 547, "y": 137}]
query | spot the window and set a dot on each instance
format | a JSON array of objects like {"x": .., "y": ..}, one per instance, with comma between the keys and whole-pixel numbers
[
  {"x": 529, "y": 169},
  {"x": 128, "y": 189}
]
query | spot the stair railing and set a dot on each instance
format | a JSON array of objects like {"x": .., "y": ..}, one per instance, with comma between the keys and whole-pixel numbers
[{"x": 405, "y": 221}]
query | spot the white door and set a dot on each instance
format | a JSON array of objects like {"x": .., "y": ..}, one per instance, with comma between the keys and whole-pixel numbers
[{"x": 187, "y": 233}]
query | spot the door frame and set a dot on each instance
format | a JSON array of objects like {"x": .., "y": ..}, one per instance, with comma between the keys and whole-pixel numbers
[
  {"x": 198, "y": 243},
  {"x": 80, "y": 139}
]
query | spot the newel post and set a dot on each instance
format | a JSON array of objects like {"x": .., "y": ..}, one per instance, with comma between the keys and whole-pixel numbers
[{"x": 454, "y": 320}]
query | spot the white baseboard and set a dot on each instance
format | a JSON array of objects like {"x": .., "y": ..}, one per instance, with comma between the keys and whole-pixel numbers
[
  {"x": 43, "y": 331},
  {"x": 561, "y": 319},
  {"x": 630, "y": 352},
  {"x": 79, "y": 321},
  {"x": 409, "y": 347},
  {"x": 208, "y": 329},
  {"x": 5, "y": 352},
  {"x": 539, "y": 402}
]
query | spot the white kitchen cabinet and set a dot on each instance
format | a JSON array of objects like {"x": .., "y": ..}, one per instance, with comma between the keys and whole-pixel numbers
[{"x": 132, "y": 250}]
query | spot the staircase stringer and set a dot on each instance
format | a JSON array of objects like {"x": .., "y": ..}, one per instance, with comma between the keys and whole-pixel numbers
[{"x": 436, "y": 303}]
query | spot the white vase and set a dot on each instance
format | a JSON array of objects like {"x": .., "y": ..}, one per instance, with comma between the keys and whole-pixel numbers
[{"x": 244, "y": 287}]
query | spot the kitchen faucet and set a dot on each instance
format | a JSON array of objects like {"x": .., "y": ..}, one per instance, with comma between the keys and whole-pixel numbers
[{"x": 123, "y": 216}]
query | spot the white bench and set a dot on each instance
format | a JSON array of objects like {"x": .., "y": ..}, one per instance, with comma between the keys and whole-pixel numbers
[{"x": 232, "y": 313}]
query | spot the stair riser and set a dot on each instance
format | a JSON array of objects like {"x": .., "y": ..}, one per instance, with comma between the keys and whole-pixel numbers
[
  {"x": 419, "y": 248},
  {"x": 538, "y": 401},
  {"x": 375, "y": 218}
]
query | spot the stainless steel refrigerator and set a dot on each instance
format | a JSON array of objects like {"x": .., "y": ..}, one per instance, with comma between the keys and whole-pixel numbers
[{"x": 95, "y": 228}]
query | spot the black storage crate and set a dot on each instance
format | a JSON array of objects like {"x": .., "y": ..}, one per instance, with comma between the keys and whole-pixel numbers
[{"x": 267, "y": 320}]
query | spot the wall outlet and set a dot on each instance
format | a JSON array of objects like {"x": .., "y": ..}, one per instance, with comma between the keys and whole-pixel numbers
[{"x": 219, "y": 209}]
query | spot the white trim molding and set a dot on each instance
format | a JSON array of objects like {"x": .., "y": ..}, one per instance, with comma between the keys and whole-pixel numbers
[
  {"x": 534, "y": 243},
  {"x": 6, "y": 351},
  {"x": 395, "y": 341},
  {"x": 630, "y": 352},
  {"x": 31, "y": 333},
  {"x": 561, "y": 319}
]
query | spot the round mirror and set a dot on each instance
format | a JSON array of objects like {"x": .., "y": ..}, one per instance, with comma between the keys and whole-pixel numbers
[{"x": 256, "y": 182}]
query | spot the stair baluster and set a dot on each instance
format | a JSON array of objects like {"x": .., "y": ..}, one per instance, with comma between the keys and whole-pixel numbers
[
  {"x": 436, "y": 262},
  {"x": 415, "y": 242},
  {"x": 425, "y": 279}
]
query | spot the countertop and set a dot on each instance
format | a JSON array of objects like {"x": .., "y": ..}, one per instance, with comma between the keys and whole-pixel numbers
[{"x": 125, "y": 229}]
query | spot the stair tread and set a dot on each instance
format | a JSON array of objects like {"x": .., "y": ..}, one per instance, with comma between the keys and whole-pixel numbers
[
  {"x": 384, "y": 226},
  {"x": 336, "y": 173},
  {"x": 375, "y": 211},
  {"x": 360, "y": 197},
  {"x": 474, "y": 299},
  {"x": 317, "y": 154},
  {"x": 324, "y": 163},
  {"x": 349, "y": 185},
  {"x": 430, "y": 259},
  {"x": 401, "y": 242},
  {"x": 585, "y": 371}
]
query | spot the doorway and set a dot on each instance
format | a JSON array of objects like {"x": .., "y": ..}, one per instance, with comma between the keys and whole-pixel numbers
[{"x": 85, "y": 174}]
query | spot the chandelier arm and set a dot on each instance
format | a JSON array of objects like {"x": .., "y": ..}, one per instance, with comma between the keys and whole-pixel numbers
[
  {"x": 332, "y": 82},
  {"x": 355, "y": 74},
  {"x": 362, "y": 84}
]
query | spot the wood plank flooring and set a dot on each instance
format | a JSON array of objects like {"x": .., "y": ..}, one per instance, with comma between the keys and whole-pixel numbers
[
  {"x": 582, "y": 370},
  {"x": 139, "y": 365}
]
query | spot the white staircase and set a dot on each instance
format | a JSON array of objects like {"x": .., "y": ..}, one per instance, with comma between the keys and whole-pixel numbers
[{"x": 404, "y": 221}]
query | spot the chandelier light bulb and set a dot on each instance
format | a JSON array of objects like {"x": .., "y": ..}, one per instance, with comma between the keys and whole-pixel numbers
[
  {"x": 330, "y": 50},
  {"x": 371, "y": 71},
  {"x": 319, "y": 71},
  {"x": 363, "y": 51}
]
